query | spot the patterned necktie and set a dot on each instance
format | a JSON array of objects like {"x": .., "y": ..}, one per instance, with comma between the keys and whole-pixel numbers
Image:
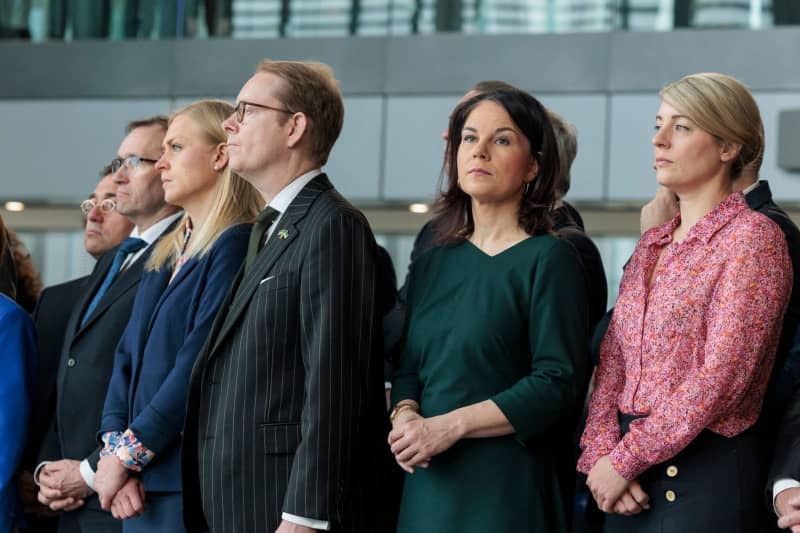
[
  {"x": 263, "y": 221},
  {"x": 128, "y": 246}
]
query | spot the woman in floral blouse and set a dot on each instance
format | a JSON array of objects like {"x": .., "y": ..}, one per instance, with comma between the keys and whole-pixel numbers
[{"x": 669, "y": 444}]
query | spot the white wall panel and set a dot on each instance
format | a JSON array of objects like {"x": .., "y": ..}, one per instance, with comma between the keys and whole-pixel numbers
[
  {"x": 588, "y": 114},
  {"x": 52, "y": 150},
  {"x": 785, "y": 185},
  {"x": 414, "y": 145},
  {"x": 355, "y": 163},
  {"x": 631, "y": 174}
]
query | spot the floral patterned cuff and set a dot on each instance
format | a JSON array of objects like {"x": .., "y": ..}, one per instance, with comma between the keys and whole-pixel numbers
[
  {"x": 110, "y": 442},
  {"x": 626, "y": 463},
  {"x": 131, "y": 453}
]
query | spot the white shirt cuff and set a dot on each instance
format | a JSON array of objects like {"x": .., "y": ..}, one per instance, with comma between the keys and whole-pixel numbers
[
  {"x": 88, "y": 474},
  {"x": 308, "y": 522},
  {"x": 778, "y": 487},
  {"x": 387, "y": 385},
  {"x": 39, "y": 471}
]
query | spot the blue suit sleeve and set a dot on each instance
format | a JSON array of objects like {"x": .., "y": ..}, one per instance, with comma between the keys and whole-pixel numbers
[
  {"x": 115, "y": 409},
  {"x": 18, "y": 355},
  {"x": 161, "y": 421}
]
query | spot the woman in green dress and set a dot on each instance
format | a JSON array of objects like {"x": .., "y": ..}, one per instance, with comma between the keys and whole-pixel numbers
[{"x": 492, "y": 377}]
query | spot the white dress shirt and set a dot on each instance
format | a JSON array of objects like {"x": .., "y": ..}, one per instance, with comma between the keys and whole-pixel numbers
[
  {"x": 149, "y": 236},
  {"x": 780, "y": 486},
  {"x": 284, "y": 199}
]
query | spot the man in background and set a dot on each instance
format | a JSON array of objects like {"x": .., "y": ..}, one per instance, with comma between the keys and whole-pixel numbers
[{"x": 103, "y": 229}]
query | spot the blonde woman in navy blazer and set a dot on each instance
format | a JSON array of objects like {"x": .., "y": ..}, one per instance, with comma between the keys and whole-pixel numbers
[{"x": 186, "y": 279}]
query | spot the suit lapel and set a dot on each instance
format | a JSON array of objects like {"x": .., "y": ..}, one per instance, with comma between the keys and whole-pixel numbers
[
  {"x": 92, "y": 285},
  {"x": 214, "y": 333},
  {"x": 164, "y": 288},
  {"x": 125, "y": 280},
  {"x": 284, "y": 234},
  {"x": 167, "y": 287}
]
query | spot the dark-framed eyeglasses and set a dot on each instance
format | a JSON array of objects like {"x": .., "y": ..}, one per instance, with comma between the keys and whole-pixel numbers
[
  {"x": 131, "y": 162},
  {"x": 106, "y": 206},
  {"x": 241, "y": 107}
]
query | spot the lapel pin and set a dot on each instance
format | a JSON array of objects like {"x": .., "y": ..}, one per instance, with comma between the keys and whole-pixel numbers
[{"x": 283, "y": 234}]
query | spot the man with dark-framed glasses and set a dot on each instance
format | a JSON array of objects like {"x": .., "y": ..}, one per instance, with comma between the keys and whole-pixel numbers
[{"x": 95, "y": 325}]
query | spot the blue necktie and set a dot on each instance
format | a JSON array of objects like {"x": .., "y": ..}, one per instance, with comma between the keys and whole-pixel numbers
[{"x": 128, "y": 246}]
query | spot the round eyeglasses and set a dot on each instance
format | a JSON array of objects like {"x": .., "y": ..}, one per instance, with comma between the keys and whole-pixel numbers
[
  {"x": 106, "y": 206},
  {"x": 130, "y": 162}
]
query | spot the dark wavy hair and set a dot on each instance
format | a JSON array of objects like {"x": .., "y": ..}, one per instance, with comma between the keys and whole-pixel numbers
[
  {"x": 453, "y": 220},
  {"x": 28, "y": 283}
]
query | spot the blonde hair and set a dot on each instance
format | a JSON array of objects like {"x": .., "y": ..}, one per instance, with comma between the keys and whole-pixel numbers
[
  {"x": 725, "y": 108},
  {"x": 236, "y": 201},
  {"x": 310, "y": 88}
]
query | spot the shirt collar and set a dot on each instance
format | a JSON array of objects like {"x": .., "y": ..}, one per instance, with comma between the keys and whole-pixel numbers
[
  {"x": 751, "y": 188},
  {"x": 154, "y": 232},
  {"x": 705, "y": 228},
  {"x": 283, "y": 199}
]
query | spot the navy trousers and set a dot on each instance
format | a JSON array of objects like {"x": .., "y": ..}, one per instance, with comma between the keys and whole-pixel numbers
[{"x": 163, "y": 513}]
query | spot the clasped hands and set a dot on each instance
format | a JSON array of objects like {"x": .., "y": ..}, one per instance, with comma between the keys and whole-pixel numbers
[
  {"x": 62, "y": 487},
  {"x": 415, "y": 439},
  {"x": 613, "y": 493},
  {"x": 119, "y": 492}
]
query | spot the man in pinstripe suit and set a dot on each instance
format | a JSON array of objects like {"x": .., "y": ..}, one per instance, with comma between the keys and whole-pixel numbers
[{"x": 286, "y": 426}]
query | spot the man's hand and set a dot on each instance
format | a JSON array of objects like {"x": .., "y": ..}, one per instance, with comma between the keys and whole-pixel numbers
[
  {"x": 110, "y": 477},
  {"x": 290, "y": 527},
  {"x": 787, "y": 503},
  {"x": 606, "y": 484},
  {"x": 129, "y": 500},
  {"x": 633, "y": 501},
  {"x": 662, "y": 208},
  {"x": 62, "y": 487},
  {"x": 414, "y": 439},
  {"x": 27, "y": 494}
]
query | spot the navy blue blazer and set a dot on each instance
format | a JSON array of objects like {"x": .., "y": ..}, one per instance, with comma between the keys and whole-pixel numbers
[
  {"x": 169, "y": 324},
  {"x": 18, "y": 357}
]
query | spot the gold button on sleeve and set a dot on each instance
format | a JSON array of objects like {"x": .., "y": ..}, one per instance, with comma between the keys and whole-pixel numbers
[
  {"x": 672, "y": 471},
  {"x": 670, "y": 496}
]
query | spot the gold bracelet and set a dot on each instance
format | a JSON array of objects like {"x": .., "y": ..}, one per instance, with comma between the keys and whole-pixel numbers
[{"x": 405, "y": 404}]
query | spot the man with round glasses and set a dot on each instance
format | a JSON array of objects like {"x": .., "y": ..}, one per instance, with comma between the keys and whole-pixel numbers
[{"x": 105, "y": 228}]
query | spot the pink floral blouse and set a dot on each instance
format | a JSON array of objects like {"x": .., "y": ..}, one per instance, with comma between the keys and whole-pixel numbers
[{"x": 695, "y": 349}]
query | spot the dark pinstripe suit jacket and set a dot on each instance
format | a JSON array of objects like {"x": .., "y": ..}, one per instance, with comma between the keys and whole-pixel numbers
[{"x": 285, "y": 409}]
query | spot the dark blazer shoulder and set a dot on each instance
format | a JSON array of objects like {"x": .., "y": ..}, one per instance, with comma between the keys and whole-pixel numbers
[{"x": 331, "y": 203}]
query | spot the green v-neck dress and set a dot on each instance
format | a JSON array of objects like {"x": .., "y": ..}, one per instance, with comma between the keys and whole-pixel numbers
[{"x": 511, "y": 328}]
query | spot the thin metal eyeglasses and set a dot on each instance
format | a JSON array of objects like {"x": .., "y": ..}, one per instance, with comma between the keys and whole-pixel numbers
[
  {"x": 106, "y": 206},
  {"x": 130, "y": 162},
  {"x": 241, "y": 107}
]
